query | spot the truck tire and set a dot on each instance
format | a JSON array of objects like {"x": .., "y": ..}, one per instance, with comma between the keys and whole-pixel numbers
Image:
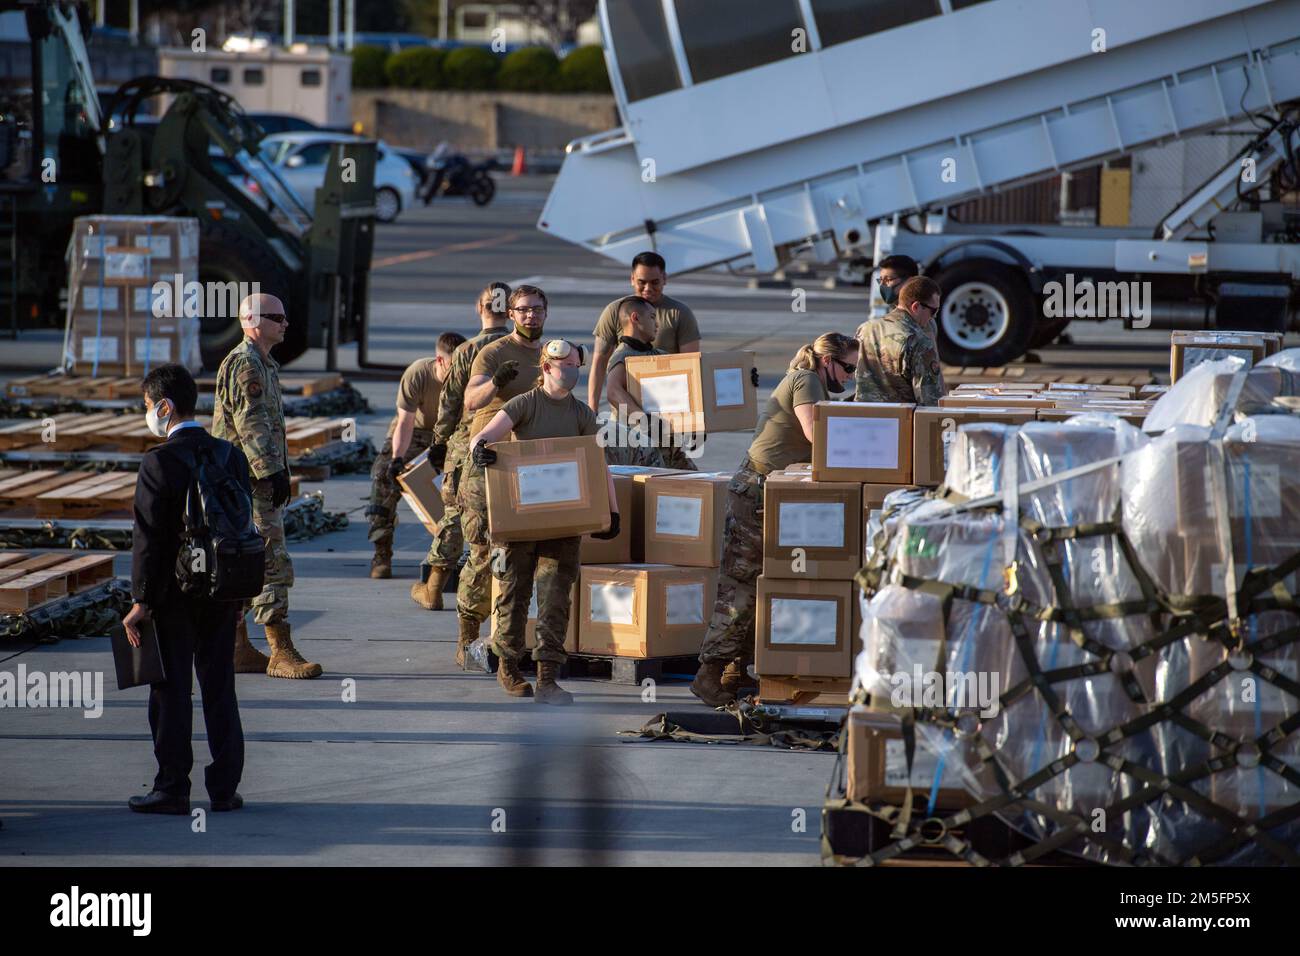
[
  {"x": 226, "y": 256},
  {"x": 988, "y": 315}
]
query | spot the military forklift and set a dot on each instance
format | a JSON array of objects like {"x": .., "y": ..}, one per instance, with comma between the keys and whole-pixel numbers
[{"x": 61, "y": 157}]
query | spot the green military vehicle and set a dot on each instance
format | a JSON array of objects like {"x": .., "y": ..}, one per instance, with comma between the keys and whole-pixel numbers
[{"x": 61, "y": 157}]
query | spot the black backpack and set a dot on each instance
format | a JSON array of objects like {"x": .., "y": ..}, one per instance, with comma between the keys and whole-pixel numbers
[{"x": 222, "y": 557}]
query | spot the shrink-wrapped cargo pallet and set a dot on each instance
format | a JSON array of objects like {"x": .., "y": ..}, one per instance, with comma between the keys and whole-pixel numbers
[{"x": 1097, "y": 632}]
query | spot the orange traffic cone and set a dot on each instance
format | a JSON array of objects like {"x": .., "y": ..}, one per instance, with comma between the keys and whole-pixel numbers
[{"x": 519, "y": 167}]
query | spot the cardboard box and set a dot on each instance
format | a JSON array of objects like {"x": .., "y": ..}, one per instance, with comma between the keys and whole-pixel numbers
[
  {"x": 640, "y": 475},
  {"x": 696, "y": 392},
  {"x": 799, "y": 468},
  {"x": 933, "y": 431},
  {"x": 644, "y": 610},
  {"x": 873, "y": 495},
  {"x": 617, "y": 550},
  {"x": 805, "y": 628},
  {"x": 994, "y": 388},
  {"x": 1062, "y": 414},
  {"x": 876, "y": 770},
  {"x": 1189, "y": 349},
  {"x": 547, "y": 488},
  {"x": 530, "y": 632},
  {"x": 819, "y": 519},
  {"x": 1094, "y": 389},
  {"x": 684, "y": 519},
  {"x": 990, "y": 400},
  {"x": 862, "y": 441},
  {"x": 422, "y": 490}
]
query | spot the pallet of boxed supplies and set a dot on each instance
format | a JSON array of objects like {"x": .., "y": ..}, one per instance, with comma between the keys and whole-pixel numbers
[
  {"x": 684, "y": 518},
  {"x": 644, "y": 610},
  {"x": 547, "y": 488},
  {"x": 128, "y": 306},
  {"x": 696, "y": 392},
  {"x": 863, "y": 441},
  {"x": 633, "y": 478},
  {"x": 1096, "y": 637},
  {"x": 1189, "y": 349}
]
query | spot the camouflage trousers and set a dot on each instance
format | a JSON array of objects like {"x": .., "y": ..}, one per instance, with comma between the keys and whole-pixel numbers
[
  {"x": 731, "y": 629},
  {"x": 272, "y": 605},
  {"x": 549, "y": 566},
  {"x": 449, "y": 542},
  {"x": 385, "y": 492},
  {"x": 474, "y": 591}
]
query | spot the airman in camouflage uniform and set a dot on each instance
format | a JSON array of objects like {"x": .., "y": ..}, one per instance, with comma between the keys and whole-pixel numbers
[
  {"x": 899, "y": 361},
  {"x": 249, "y": 413},
  {"x": 450, "y": 443}
]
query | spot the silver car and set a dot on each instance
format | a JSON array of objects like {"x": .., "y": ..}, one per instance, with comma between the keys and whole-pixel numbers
[{"x": 300, "y": 159}]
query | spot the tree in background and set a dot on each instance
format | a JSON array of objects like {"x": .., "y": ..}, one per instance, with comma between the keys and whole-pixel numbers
[
  {"x": 368, "y": 64},
  {"x": 415, "y": 68},
  {"x": 583, "y": 71},
  {"x": 559, "y": 19}
]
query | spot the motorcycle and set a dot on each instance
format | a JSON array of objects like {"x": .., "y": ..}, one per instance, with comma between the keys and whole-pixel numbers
[{"x": 452, "y": 174}]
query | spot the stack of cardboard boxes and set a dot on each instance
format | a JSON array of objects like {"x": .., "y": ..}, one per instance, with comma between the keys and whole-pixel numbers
[
  {"x": 1188, "y": 349},
  {"x": 128, "y": 306}
]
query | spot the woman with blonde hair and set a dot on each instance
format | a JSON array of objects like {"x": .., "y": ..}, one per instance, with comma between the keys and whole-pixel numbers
[{"x": 783, "y": 437}]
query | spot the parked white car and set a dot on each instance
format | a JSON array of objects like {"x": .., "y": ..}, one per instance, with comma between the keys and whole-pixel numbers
[{"x": 300, "y": 160}]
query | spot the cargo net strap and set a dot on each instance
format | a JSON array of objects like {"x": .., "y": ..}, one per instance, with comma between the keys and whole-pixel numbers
[{"x": 1173, "y": 619}]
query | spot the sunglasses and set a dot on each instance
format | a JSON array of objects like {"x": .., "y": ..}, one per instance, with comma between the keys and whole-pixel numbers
[
  {"x": 277, "y": 319},
  {"x": 849, "y": 367}
]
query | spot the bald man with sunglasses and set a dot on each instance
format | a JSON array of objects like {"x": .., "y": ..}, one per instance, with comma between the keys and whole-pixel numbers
[{"x": 248, "y": 412}]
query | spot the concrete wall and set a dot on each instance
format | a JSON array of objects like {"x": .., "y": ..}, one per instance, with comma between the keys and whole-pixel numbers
[{"x": 420, "y": 119}]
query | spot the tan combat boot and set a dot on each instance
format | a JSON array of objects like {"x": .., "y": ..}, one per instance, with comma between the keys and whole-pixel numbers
[
  {"x": 511, "y": 681},
  {"x": 429, "y": 594},
  {"x": 468, "y": 635},
  {"x": 381, "y": 565},
  {"x": 549, "y": 692},
  {"x": 734, "y": 677},
  {"x": 248, "y": 659},
  {"x": 285, "y": 659},
  {"x": 707, "y": 685}
]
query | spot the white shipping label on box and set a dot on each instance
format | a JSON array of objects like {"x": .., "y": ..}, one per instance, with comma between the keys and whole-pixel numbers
[
  {"x": 805, "y": 621},
  {"x": 728, "y": 387},
  {"x": 160, "y": 246},
  {"x": 811, "y": 524},
  {"x": 684, "y": 604},
  {"x": 861, "y": 442},
  {"x": 552, "y": 483},
  {"x": 141, "y": 300},
  {"x": 102, "y": 349},
  {"x": 612, "y": 603},
  {"x": 679, "y": 517},
  {"x": 153, "y": 350},
  {"x": 126, "y": 265},
  {"x": 92, "y": 247},
  {"x": 924, "y": 767},
  {"x": 1193, "y": 356},
  {"x": 666, "y": 394},
  {"x": 98, "y": 297}
]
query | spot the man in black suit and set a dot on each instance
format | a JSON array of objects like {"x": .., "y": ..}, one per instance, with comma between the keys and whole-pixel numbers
[{"x": 193, "y": 635}]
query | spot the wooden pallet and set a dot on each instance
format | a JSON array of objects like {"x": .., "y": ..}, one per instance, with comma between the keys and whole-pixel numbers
[
  {"x": 630, "y": 670},
  {"x": 27, "y": 581},
  {"x": 18, "y": 493},
  {"x": 74, "y": 386},
  {"x": 305, "y": 384},
  {"x": 973, "y": 374},
  {"x": 108, "y": 431},
  {"x": 810, "y": 691},
  {"x": 93, "y": 496}
]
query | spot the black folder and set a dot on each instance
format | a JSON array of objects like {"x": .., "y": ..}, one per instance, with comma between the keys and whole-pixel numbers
[{"x": 138, "y": 665}]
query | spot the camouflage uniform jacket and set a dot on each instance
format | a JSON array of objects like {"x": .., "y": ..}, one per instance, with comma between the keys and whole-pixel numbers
[
  {"x": 249, "y": 412},
  {"x": 898, "y": 362},
  {"x": 452, "y": 427}
]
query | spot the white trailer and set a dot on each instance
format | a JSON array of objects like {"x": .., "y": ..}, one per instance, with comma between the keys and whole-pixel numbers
[{"x": 758, "y": 132}]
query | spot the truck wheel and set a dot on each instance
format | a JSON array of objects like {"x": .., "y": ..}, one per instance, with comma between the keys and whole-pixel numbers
[
  {"x": 226, "y": 256},
  {"x": 1046, "y": 331},
  {"x": 987, "y": 316}
]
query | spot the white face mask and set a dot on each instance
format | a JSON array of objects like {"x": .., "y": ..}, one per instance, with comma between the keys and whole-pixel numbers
[{"x": 156, "y": 425}]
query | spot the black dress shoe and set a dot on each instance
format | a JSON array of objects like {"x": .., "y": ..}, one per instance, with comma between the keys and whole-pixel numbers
[
  {"x": 233, "y": 802},
  {"x": 157, "y": 802}
]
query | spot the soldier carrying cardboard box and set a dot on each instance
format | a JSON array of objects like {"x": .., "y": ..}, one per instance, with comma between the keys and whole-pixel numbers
[
  {"x": 784, "y": 436},
  {"x": 551, "y": 565}
]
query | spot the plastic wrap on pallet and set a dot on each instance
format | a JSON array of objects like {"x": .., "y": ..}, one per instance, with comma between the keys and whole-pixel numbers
[
  {"x": 1105, "y": 670},
  {"x": 1195, "y": 399},
  {"x": 1288, "y": 359},
  {"x": 133, "y": 298}
]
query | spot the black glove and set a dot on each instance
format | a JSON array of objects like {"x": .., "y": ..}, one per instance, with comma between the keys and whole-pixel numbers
[
  {"x": 483, "y": 455},
  {"x": 438, "y": 456},
  {"x": 753, "y": 376},
  {"x": 612, "y": 533},
  {"x": 279, "y": 488},
  {"x": 506, "y": 373},
  {"x": 395, "y": 467}
]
